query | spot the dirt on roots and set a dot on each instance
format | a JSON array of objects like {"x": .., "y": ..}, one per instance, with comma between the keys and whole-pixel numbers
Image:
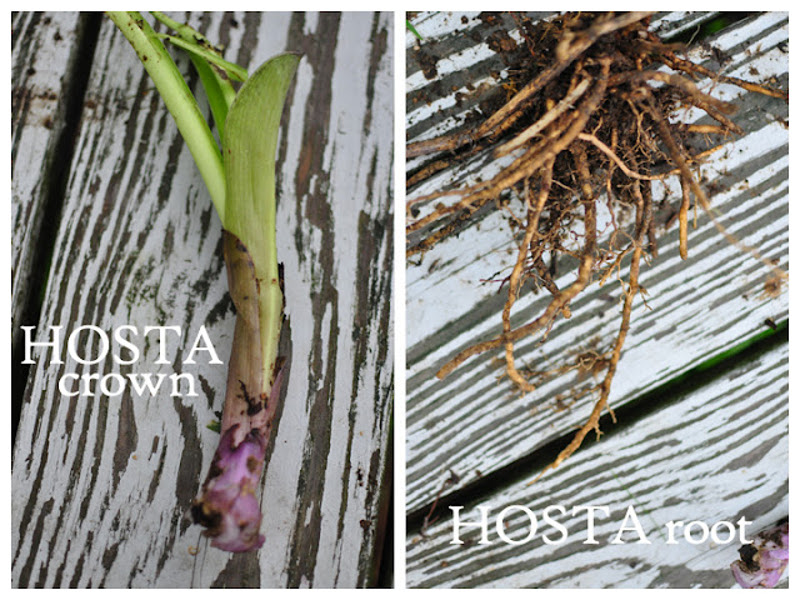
[{"x": 592, "y": 121}]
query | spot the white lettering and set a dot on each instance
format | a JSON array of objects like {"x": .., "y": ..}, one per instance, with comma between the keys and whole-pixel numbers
[
  {"x": 146, "y": 383},
  {"x": 86, "y": 380},
  {"x": 458, "y": 523},
  {"x": 715, "y": 532},
  {"x": 105, "y": 390},
  {"x": 637, "y": 527},
  {"x": 74, "y": 337},
  {"x": 55, "y": 345},
  {"x": 162, "y": 341},
  {"x": 175, "y": 377},
  {"x": 202, "y": 335},
  {"x": 126, "y": 344},
  {"x": 590, "y": 511},
  {"x": 687, "y": 532},
  {"x": 671, "y": 531},
  {"x": 742, "y": 523},
  {"x": 63, "y": 388},
  {"x": 555, "y": 524},
  {"x": 501, "y": 526}
]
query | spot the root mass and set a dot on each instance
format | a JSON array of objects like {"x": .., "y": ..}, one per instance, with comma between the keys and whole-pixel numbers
[{"x": 590, "y": 123}]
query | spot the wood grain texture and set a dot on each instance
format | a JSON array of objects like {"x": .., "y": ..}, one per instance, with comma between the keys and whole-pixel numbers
[
  {"x": 44, "y": 52},
  {"x": 717, "y": 453},
  {"x": 102, "y": 485},
  {"x": 474, "y": 424}
]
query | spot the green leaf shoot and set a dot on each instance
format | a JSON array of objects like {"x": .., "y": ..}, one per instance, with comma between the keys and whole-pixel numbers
[
  {"x": 413, "y": 30},
  {"x": 180, "y": 102},
  {"x": 249, "y": 144},
  {"x": 216, "y": 83},
  {"x": 232, "y": 70}
]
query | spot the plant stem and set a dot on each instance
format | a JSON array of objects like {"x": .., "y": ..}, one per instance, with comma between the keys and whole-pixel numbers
[
  {"x": 249, "y": 152},
  {"x": 215, "y": 80},
  {"x": 179, "y": 100}
]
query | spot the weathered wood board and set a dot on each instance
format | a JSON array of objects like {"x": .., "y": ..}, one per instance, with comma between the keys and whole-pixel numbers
[
  {"x": 716, "y": 454},
  {"x": 43, "y": 79},
  {"x": 102, "y": 485},
  {"x": 472, "y": 423}
]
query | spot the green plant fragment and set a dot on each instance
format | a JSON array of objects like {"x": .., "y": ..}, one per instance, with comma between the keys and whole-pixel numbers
[
  {"x": 232, "y": 70},
  {"x": 249, "y": 144},
  {"x": 216, "y": 83},
  {"x": 413, "y": 30},
  {"x": 179, "y": 99}
]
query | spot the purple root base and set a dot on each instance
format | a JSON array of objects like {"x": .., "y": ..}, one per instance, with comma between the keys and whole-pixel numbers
[
  {"x": 763, "y": 562},
  {"x": 228, "y": 506}
]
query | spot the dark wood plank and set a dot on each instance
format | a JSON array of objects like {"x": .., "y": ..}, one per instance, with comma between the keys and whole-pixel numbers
[{"x": 45, "y": 51}]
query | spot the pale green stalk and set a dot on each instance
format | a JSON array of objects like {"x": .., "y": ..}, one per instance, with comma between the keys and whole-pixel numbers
[
  {"x": 231, "y": 70},
  {"x": 248, "y": 149},
  {"x": 242, "y": 185},
  {"x": 215, "y": 75},
  {"x": 179, "y": 100},
  {"x": 219, "y": 91}
]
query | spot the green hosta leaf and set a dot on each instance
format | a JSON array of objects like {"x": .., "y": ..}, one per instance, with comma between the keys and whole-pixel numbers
[
  {"x": 179, "y": 100},
  {"x": 215, "y": 79},
  {"x": 248, "y": 148},
  {"x": 233, "y": 70},
  {"x": 219, "y": 91}
]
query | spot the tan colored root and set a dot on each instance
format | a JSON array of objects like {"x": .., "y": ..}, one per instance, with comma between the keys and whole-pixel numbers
[
  {"x": 689, "y": 67},
  {"x": 625, "y": 157},
  {"x": 556, "y": 141},
  {"x": 610, "y": 153},
  {"x": 683, "y": 220},
  {"x": 514, "y": 282},
  {"x": 549, "y": 117},
  {"x": 678, "y": 156},
  {"x": 572, "y": 47},
  {"x": 693, "y": 94},
  {"x": 644, "y": 215},
  {"x": 528, "y": 164},
  {"x": 559, "y": 302}
]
